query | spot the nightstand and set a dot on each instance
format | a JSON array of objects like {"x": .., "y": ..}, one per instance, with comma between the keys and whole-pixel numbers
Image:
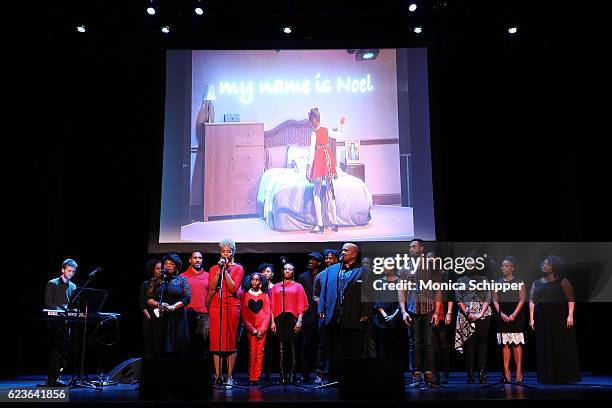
[{"x": 354, "y": 169}]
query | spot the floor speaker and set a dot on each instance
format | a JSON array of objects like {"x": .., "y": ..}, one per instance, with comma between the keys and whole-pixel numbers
[
  {"x": 127, "y": 372},
  {"x": 371, "y": 378},
  {"x": 176, "y": 379}
]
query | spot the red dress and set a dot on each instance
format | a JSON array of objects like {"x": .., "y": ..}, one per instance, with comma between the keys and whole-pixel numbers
[
  {"x": 230, "y": 311},
  {"x": 324, "y": 162}
]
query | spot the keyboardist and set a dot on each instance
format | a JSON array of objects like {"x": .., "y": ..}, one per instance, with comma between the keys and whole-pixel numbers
[{"x": 57, "y": 295}]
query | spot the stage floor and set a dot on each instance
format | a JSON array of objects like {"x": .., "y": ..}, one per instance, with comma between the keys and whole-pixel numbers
[{"x": 590, "y": 388}]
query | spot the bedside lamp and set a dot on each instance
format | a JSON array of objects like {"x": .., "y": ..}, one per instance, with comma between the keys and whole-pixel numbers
[{"x": 209, "y": 96}]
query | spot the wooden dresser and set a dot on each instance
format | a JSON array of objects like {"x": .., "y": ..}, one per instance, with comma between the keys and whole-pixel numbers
[{"x": 233, "y": 165}]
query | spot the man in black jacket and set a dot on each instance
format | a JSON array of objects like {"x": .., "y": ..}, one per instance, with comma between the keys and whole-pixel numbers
[{"x": 310, "y": 322}]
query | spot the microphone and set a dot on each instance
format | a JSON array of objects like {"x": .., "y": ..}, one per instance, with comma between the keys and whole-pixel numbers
[
  {"x": 93, "y": 273},
  {"x": 222, "y": 262}
]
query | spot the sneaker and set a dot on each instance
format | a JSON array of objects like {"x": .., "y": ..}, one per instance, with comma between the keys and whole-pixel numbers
[
  {"x": 229, "y": 384},
  {"x": 319, "y": 380}
]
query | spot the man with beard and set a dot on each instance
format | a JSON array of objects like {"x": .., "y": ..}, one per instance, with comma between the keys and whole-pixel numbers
[
  {"x": 309, "y": 321},
  {"x": 197, "y": 313}
]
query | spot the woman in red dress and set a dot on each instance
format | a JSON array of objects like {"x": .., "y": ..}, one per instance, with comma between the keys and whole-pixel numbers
[
  {"x": 288, "y": 302},
  {"x": 322, "y": 167},
  {"x": 225, "y": 312},
  {"x": 255, "y": 312}
]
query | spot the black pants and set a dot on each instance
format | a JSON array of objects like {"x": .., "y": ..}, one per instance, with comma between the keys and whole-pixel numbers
[
  {"x": 342, "y": 342},
  {"x": 307, "y": 340},
  {"x": 423, "y": 355},
  {"x": 441, "y": 336},
  {"x": 389, "y": 341},
  {"x": 287, "y": 338},
  {"x": 322, "y": 351},
  {"x": 477, "y": 345},
  {"x": 60, "y": 341}
]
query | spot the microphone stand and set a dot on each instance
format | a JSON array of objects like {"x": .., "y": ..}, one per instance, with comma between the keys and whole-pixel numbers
[
  {"x": 219, "y": 383},
  {"x": 74, "y": 381},
  {"x": 336, "y": 383},
  {"x": 282, "y": 321}
]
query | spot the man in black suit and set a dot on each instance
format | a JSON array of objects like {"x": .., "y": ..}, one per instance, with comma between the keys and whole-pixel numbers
[{"x": 310, "y": 322}]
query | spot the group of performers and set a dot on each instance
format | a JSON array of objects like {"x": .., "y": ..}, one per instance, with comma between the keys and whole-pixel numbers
[{"x": 312, "y": 320}]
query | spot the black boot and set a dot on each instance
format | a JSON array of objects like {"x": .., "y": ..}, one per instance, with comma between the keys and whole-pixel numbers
[
  {"x": 482, "y": 378},
  {"x": 470, "y": 377}
]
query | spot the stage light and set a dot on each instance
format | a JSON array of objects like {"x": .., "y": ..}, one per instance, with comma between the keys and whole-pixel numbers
[
  {"x": 512, "y": 30},
  {"x": 165, "y": 29},
  {"x": 151, "y": 9},
  {"x": 366, "y": 55},
  {"x": 412, "y": 7},
  {"x": 287, "y": 30},
  {"x": 198, "y": 9},
  {"x": 81, "y": 29},
  {"x": 418, "y": 30}
]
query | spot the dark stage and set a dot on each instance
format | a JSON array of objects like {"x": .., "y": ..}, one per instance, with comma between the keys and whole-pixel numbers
[
  {"x": 514, "y": 157},
  {"x": 591, "y": 389}
]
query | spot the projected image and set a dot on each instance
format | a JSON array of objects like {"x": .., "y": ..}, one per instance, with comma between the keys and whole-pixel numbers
[{"x": 291, "y": 146}]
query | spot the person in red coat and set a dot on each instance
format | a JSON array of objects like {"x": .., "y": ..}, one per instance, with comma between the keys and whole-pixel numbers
[
  {"x": 322, "y": 167},
  {"x": 288, "y": 302},
  {"x": 224, "y": 313},
  {"x": 255, "y": 310}
]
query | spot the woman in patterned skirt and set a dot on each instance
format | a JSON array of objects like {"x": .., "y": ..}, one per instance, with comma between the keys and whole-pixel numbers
[{"x": 511, "y": 318}]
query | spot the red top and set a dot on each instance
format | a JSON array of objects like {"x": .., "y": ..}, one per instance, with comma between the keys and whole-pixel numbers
[
  {"x": 296, "y": 301},
  {"x": 198, "y": 283},
  {"x": 324, "y": 161},
  {"x": 255, "y": 311},
  {"x": 229, "y": 297}
]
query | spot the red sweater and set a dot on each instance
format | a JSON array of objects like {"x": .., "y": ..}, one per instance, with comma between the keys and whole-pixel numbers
[
  {"x": 198, "y": 283},
  {"x": 296, "y": 301},
  {"x": 255, "y": 311}
]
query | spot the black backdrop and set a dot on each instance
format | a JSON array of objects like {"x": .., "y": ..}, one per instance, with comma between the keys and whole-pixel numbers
[{"x": 514, "y": 159}]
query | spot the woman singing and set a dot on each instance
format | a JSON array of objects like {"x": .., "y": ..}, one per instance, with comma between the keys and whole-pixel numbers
[
  {"x": 322, "y": 167},
  {"x": 224, "y": 312}
]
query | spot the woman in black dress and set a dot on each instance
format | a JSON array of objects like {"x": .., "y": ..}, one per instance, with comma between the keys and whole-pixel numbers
[
  {"x": 511, "y": 319},
  {"x": 551, "y": 312},
  {"x": 168, "y": 298},
  {"x": 154, "y": 270},
  {"x": 388, "y": 318}
]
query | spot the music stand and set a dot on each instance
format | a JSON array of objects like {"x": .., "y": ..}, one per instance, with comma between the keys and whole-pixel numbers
[{"x": 86, "y": 300}]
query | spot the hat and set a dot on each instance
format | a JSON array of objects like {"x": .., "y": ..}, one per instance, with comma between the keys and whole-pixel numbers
[
  {"x": 316, "y": 255},
  {"x": 334, "y": 252}
]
